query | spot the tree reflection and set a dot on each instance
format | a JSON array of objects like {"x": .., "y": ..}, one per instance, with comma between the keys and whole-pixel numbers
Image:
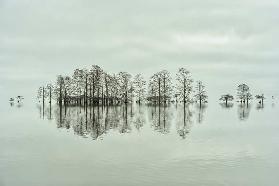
[
  {"x": 139, "y": 119},
  {"x": 200, "y": 112},
  {"x": 260, "y": 106},
  {"x": 243, "y": 111},
  {"x": 226, "y": 105},
  {"x": 96, "y": 122},
  {"x": 184, "y": 120},
  {"x": 161, "y": 118}
]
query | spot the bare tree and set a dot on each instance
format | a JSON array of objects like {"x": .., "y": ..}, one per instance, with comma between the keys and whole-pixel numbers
[
  {"x": 139, "y": 87},
  {"x": 243, "y": 93},
  {"x": 261, "y": 98},
  {"x": 154, "y": 86},
  {"x": 39, "y": 94},
  {"x": 167, "y": 86},
  {"x": 160, "y": 87},
  {"x": 184, "y": 85},
  {"x": 115, "y": 89},
  {"x": 96, "y": 73},
  {"x": 108, "y": 87},
  {"x": 78, "y": 80},
  {"x": 50, "y": 92},
  {"x": 68, "y": 89},
  {"x": 126, "y": 86},
  {"x": 226, "y": 98},
  {"x": 201, "y": 96},
  {"x": 59, "y": 89}
]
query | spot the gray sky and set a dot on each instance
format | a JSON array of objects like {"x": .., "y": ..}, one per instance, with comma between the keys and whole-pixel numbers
[{"x": 221, "y": 42}]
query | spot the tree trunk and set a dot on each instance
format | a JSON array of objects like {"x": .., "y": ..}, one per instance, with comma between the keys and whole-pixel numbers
[
  {"x": 86, "y": 89},
  {"x": 90, "y": 99},
  {"x": 184, "y": 91},
  {"x": 126, "y": 97},
  {"x": 107, "y": 96},
  {"x": 43, "y": 97},
  {"x": 102, "y": 96},
  {"x": 226, "y": 102},
  {"x": 159, "y": 91},
  {"x": 165, "y": 91},
  {"x": 50, "y": 96},
  {"x": 65, "y": 97}
]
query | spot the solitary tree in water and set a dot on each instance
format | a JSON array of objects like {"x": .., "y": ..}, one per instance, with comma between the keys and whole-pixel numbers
[
  {"x": 184, "y": 85},
  {"x": 261, "y": 98},
  {"x": 139, "y": 87},
  {"x": 201, "y": 96},
  {"x": 243, "y": 93},
  {"x": 226, "y": 98}
]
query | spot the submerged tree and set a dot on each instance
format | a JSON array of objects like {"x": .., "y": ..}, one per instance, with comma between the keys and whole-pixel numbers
[
  {"x": 50, "y": 92},
  {"x": 243, "y": 93},
  {"x": 59, "y": 87},
  {"x": 40, "y": 94},
  {"x": 96, "y": 81},
  {"x": 139, "y": 87},
  {"x": 167, "y": 86},
  {"x": 184, "y": 85},
  {"x": 261, "y": 98},
  {"x": 126, "y": 86},
  {"x": 154, "y": 89},
  {"x": 226, "y": 98},
  {"x": 160, "y": 87},
  {"x": 201, "y": 95}
]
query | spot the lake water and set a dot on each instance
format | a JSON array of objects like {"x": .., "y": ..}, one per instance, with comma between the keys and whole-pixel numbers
[{"x": 139, "y": 145}]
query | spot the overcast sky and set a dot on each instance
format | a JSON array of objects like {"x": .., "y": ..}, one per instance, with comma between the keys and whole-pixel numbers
[{"x": 221, "y": 42}]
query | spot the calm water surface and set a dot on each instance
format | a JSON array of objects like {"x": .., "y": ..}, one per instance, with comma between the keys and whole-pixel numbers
[{"x": 139, "y": 145}]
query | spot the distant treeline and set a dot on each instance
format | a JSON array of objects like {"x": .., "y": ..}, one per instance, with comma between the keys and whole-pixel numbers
[{"x": 96, "y": 87}]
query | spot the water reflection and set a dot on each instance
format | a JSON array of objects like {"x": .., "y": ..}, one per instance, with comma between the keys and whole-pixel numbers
[
  {"x": 226, "y": 106},
  {"x": 184, "y": 121},
  {"x": 260, "y": 106},
  {"x": 97, "y": 121},
  {"x": 243, "y": 111},
  {"x": 139, "y": 118},
  {"x": 160, "y": 118},
  {"x": 18, "y": 104},
  {"x": 200, "y": 112}
]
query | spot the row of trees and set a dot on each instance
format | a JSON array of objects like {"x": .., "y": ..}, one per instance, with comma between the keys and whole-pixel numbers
[
  {"x": 94, "y": 86},
  {"x": 243, "y": 94}
]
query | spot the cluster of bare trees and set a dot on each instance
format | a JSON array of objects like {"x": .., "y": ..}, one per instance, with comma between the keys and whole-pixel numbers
[
  {"x": 95, "y": 87},
  {"x": 244, "y": 96}
]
